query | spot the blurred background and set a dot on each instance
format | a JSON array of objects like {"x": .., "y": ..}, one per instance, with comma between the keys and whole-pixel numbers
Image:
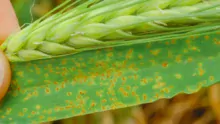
[
  {"x": 30, "y": 10},
  {"x": 202, "y": 107}
]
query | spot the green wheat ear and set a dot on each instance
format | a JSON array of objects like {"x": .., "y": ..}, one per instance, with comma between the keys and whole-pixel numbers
[{"x": 99, "y": 24}]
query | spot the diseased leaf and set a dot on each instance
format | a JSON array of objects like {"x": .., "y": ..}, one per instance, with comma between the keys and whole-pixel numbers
[{"x": 121, "y": 76}]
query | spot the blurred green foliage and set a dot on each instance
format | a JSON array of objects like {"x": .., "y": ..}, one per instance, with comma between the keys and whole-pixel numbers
[
  {"x": 22, "y": 9},
  {"x": 30, "y": 10}
]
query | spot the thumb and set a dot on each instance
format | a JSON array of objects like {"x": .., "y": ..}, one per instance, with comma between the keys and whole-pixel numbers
[{"x": 8, "y": 20}]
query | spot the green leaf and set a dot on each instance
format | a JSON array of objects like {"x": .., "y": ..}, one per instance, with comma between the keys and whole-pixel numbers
[
  {"x": 110, "y": 78},
  {"x": 22, "y": 10}
]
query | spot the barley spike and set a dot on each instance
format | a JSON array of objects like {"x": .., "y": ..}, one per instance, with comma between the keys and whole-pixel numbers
[{"x": 103, "y": 23}]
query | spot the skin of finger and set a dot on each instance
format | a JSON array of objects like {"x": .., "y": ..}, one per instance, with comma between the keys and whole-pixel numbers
[
  {"x": 5, "y": 78},
  {"x": 8, "y": 20}
]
